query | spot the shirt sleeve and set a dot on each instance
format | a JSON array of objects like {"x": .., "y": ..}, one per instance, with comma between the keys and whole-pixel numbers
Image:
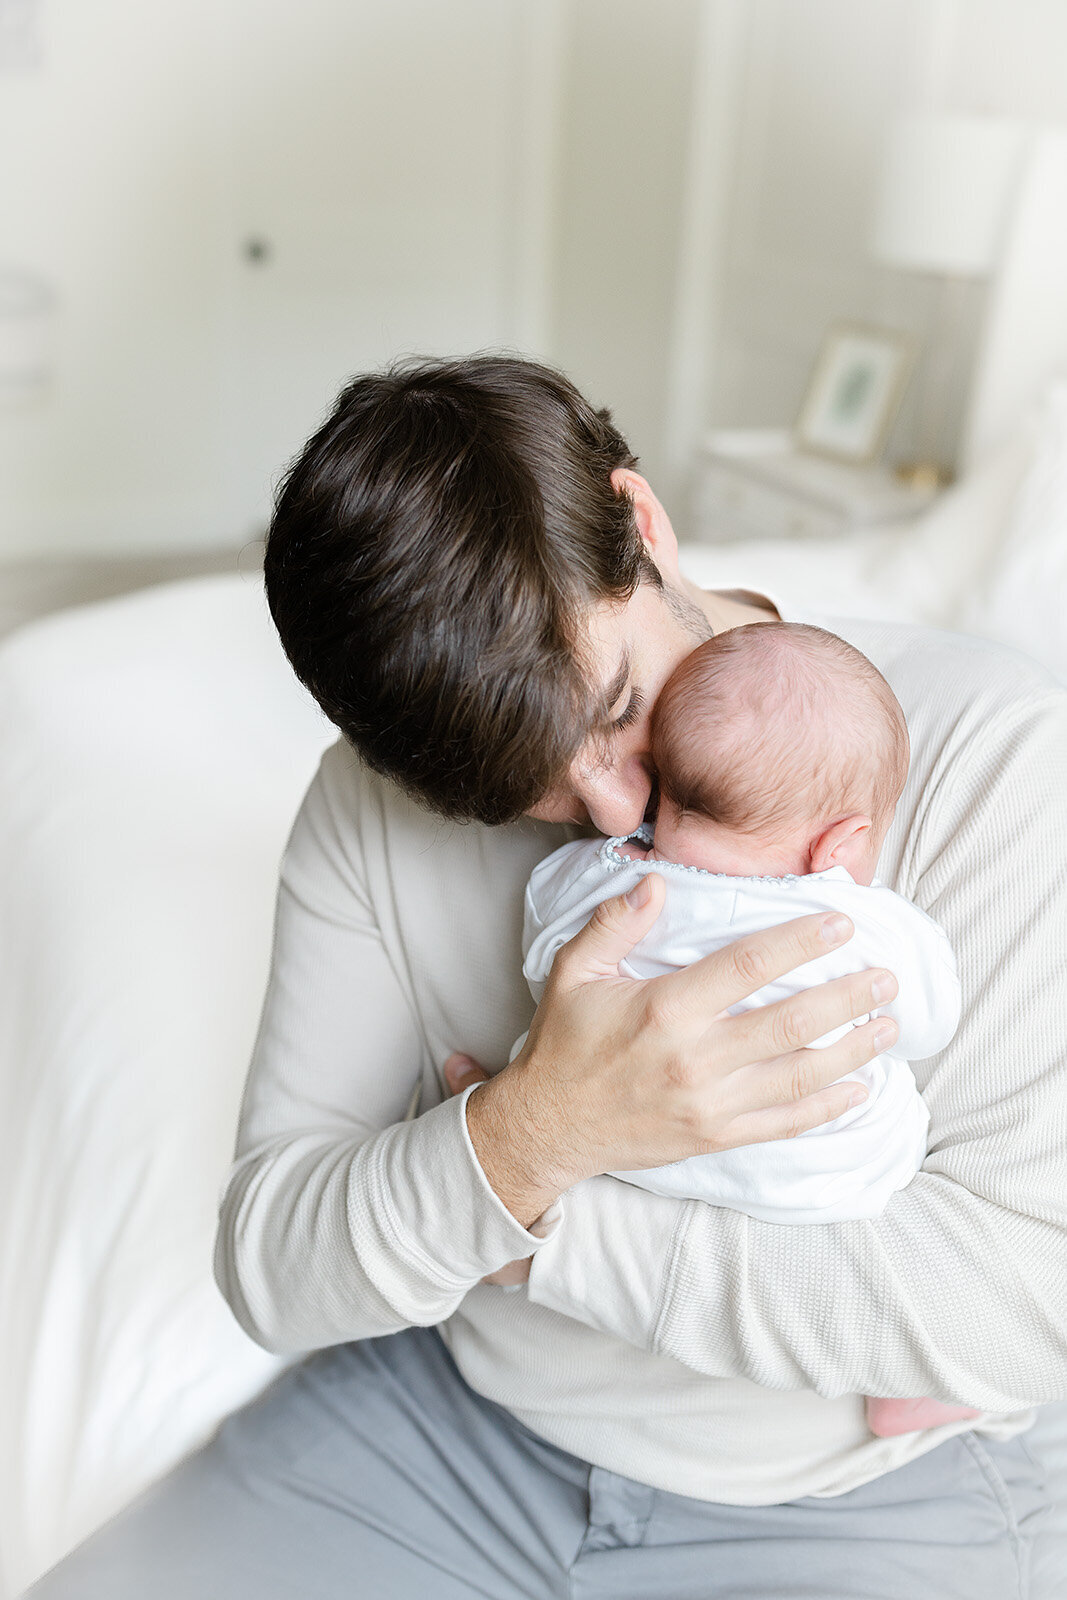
[
  {"x": 340, "y": 1219},
  {"x": 959, "y": 1290}
]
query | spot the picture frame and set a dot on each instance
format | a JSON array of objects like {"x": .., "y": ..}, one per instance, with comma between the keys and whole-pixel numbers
[{"x": 854, "y": 392}]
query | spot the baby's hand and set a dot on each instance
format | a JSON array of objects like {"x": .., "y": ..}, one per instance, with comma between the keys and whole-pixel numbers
[{"x": 511, "y": 1276}]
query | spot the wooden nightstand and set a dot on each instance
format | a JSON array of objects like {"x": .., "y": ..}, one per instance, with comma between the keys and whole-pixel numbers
[{"x": 757, "y": 485}]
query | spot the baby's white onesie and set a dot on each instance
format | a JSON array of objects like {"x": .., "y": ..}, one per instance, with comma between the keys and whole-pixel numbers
[{"x": 846, "y": 1169}]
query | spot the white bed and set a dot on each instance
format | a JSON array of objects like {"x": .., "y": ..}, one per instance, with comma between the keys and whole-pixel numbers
[{"x": 153, "y": 751}]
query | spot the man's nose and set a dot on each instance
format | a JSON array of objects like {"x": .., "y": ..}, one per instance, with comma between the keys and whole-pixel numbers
[{"x": 617, "y": 798}]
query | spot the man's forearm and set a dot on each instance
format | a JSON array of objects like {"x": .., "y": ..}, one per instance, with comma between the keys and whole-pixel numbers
[
  {"x": 945, "y": 1295},
  {"x": 322, "y": 1240},
  {"x": 510, "y": 1144}
]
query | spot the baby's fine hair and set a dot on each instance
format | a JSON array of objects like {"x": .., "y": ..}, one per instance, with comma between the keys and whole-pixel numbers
[{"x": 777, "y": 724}]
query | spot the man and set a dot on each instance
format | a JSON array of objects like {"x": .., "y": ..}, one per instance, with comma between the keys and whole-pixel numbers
[{"x": 468, "y": 572}]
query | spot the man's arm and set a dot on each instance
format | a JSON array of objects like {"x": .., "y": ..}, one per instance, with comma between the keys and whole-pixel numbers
[
  {"x": 959, "y": 1290},
  {"x": 340, "y": 1220}
]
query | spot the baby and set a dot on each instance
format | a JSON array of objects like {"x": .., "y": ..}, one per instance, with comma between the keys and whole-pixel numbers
[{"x": 781, "y": 753}]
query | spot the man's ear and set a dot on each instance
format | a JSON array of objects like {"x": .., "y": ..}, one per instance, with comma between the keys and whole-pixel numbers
[
  {"x": 653, "y": 523},
  {"x": 842, "y": 844}
]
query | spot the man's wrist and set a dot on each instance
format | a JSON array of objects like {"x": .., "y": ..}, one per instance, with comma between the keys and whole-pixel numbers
[{"x": 510, "y": 1149}]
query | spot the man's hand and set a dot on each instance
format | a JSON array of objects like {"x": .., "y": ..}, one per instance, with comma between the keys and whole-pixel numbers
[
  {"x": 618, "y": 1074},
  {"x": 460, "y": 1072}
]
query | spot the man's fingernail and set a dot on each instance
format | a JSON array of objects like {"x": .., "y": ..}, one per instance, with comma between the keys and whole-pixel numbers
[
  {"x": 638, "y": 895},
  {"x": 885, "y": 1035},
  {"x": 835, "y": 930},
  {"x": 857, "y": 1096}
]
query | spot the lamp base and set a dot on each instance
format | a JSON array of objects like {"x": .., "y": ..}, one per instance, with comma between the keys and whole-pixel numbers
[{"x": 928, "y": 476}]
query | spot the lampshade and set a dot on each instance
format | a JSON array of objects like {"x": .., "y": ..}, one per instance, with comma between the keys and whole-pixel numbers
[{"x": 944, "y": 191}]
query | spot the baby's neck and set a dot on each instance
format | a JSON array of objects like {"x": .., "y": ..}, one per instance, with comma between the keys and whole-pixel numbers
[{"x": 736, "y": 861}]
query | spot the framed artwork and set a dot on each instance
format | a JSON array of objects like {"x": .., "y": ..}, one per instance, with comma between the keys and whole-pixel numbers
[{"x": 854, "y": 393}]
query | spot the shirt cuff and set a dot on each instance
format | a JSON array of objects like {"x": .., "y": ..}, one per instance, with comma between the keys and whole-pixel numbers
[{"x": 430, "y": 1212}]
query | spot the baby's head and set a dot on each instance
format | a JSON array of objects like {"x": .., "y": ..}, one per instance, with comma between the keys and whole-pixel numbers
[{"x": 780, "y": 749}]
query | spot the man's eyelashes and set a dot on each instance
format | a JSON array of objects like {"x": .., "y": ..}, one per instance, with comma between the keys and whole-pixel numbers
[{"x": 630, "y": 715}]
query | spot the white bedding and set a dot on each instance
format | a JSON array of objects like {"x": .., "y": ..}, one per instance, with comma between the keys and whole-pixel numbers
[{"x": 153, "y": 751}]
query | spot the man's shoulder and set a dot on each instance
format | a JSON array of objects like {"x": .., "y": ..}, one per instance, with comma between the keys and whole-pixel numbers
[
  {"x": 945, "y": 675},
  {"x": 985, "y": 722},
  {"x": 369, "y": 817}
]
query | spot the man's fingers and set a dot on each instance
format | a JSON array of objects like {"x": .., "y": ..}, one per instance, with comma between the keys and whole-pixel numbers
[
  {"x": 611, "y": 933},
  {"x": 461, "y": 1071},
  {"x": 803, "y": 1073},
  {"x": 720, "y": 980},
  {"x": 787, "y": 1122},
  {"x": 790, "y": 1024}
]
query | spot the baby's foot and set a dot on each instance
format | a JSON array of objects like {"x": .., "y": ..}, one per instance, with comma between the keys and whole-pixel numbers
[{"x": 887, "y": 1418}]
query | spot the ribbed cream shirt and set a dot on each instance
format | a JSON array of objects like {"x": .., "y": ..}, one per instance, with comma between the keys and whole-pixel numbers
[{"x": 678, "y": 1343}]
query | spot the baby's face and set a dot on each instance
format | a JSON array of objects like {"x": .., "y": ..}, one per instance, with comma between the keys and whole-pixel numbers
[{"x": 695, "y": 841}]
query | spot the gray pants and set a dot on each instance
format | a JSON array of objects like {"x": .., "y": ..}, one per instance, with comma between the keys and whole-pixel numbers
[{"x": 373, "y": 1472}]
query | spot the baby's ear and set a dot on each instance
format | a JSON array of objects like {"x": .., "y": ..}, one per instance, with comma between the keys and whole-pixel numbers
[{"x": 842, "y": 844}]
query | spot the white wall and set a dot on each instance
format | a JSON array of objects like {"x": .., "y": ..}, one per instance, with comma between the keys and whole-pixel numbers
[
  {"x": 819, "y": 82},
  {"x": 387, "y": 154},
  {"x": 426, "y": 174},
  {"x": 670, "y": 200},
  {"x": 111, "y": 191},
  {"x": 622, "y": 144}
]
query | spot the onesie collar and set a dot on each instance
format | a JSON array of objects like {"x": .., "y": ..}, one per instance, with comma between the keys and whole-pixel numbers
[{"x": 609, "y": 855}]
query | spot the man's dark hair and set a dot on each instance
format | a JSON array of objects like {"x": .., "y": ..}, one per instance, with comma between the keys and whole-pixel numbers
[{"x": 432, "y": 555}]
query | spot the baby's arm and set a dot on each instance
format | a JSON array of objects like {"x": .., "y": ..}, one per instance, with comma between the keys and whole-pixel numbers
[{"x": 893, "y": 933}]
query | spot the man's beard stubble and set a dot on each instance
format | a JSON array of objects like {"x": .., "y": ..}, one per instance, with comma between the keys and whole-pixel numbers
[{"x": 688, "y": 613}]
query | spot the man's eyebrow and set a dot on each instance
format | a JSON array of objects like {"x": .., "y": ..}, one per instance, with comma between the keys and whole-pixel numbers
[{"x": 613, "y": 690}]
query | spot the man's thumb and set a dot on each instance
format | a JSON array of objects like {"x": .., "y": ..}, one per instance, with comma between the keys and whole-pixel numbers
[{"x": 611, "y": 933}]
